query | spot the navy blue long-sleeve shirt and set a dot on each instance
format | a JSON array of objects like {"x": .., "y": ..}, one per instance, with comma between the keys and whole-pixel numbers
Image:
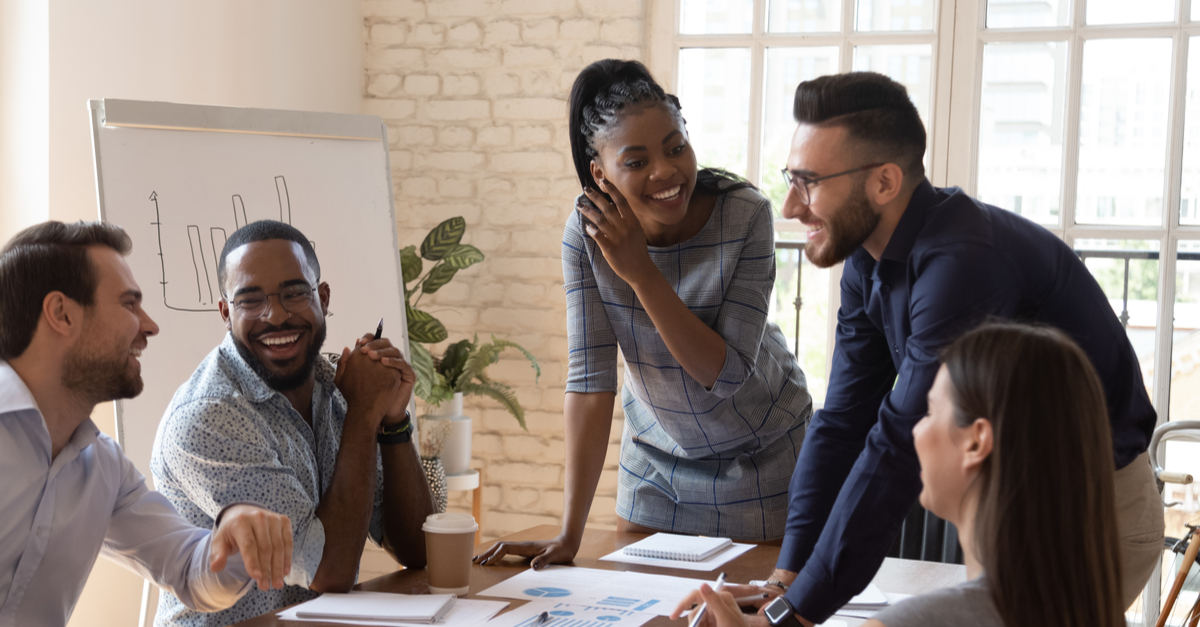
[{"x": 951, "y": 263}]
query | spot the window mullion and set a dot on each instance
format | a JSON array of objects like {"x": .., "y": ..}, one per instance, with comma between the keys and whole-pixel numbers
[
  {"x": 755, "y": 127},
  {"x": 1070, "y": 180},
  {"x": 1175, "y": 127}
]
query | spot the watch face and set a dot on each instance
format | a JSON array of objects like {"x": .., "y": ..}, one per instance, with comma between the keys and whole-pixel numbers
[{"x": 777, "y": 610}]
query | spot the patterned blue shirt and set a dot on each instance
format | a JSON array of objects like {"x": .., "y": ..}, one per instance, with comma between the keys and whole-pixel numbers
[
  {"x": 694, "y": 460},
  {"x": 226, "y": 438}
]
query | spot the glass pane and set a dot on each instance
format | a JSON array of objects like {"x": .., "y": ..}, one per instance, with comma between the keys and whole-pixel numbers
[
  {"x": 814, "y": 315},
  {"x": 701, "y": 17},
  {"x": 1021, "y": 127},
  {"x": 1126, "y": 12},
  {"x": 908, "y": 65},
  {"x": 1195, "y": 11},
  {"x": 1185, "y": 385},
  {"x": 1189, "y": 193},
  {"x": 713, "y": 85},
  {"x": 1025, "y": 14},
  {"x": 1127, "y": 271},
  {"x": 1123, "y": 131},
  {"x": 895, "y": 15},
  {"x": 786, "y": 68},
  {"x": 804, "y": 16}
]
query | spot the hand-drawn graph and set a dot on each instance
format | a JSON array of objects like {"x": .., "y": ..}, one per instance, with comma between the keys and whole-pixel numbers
[{"x": 189, "y": 277}]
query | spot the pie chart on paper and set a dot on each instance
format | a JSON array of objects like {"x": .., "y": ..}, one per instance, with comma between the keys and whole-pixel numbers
[{"x": 548, "y": 593}]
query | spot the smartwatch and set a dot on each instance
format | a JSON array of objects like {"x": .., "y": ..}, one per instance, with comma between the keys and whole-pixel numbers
[{"x": 780, "y": 613}]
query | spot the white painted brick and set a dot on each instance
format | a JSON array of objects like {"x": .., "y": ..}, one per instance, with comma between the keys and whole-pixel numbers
[
  {"x": 456, "y": 188},
  {"x": 622, "y": 31},
  {"x": 416, "y": 135},
  {"x": 501, "y": 32},
  {"x": 528, "y": 56},
  {"x": 604, "y": 505},
  {"x": 557, "y": 346},
  {"x": 530, "y": 189},
  {"x": 495, "y": 136},
  {"x": 525, "y": 292},
  {"x": 502, "y": 84},
  {"x": 506, "y": 523},
  {"x": 537, "y": 7},
  {"x": 610, "y": 8},
  {"x": 455, "y": 136},
  {"x": 434, "y": 213},
  {"x": 390, "y": 108},
  {"x": 539, "y": 30},
  {"x": 467, "y": 32},
  {"x": 532, "y": 135},
  {"x": 402, "y": 60},
  {"x": 461, "y": 8},
  {"x": 517, "y": 268},
  {"x": 579, "y": 29},
  {"x": 455, "y": 110},
  {"x": 537, "y": 242},
  {"x": 520, "y": 318},
  {"x": 383, "y": 85},
  {"x": 552, "y": 501},
  {"x": 419, "y": 187},
  {"x": 486, "y": 445},
  {"x": 494, "y": 187},
  {"x": 545, "y": 162},
  {"x": 421, "y": 84},
  {"x": 458, "y": 59},
  {"x": 593, "y": 53},
  {"x": 524, "y": 474},
  {"x": 553, "y": 399},
  {"x": 400, "y": 159},
  {"x": 388, "y": 34},
  {"x": 541, "y": 82},
  {"x": 488, "y": 293},
  {"x": 462, "y": 85},
  {"x": 521, "y": 499},
  {"x": 394, "y": 8},
  {"x": 456, "y": 318},
  {"x": 454, "y": 293},
  {"x": 566, "y": 189},
  {"x": 427, "y": 34},
  {"x": 454, "y": 160}
]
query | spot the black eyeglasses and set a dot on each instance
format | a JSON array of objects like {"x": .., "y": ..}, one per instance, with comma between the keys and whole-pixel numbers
[
  {"x": 294, "y": 299},
  {"x": 802, "y": 183}
]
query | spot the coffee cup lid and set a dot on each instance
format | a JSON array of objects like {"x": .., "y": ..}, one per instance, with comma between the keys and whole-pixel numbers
[{"x": 450, "y": 523}]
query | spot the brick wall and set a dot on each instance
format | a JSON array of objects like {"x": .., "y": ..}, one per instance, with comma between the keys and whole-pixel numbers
[{"x": 474, "y": 93}]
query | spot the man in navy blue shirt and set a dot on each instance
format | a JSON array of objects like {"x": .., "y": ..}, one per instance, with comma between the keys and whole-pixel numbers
[{"x": 923, "y": 265}]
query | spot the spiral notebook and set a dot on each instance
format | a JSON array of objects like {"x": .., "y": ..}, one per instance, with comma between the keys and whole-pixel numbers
[
  {"x": 670, "y": 546},
  {"x": 379, "y": 606}
]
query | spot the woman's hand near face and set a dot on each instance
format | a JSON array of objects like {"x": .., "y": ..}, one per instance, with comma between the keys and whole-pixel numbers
[{"x": 618, "y": 234}]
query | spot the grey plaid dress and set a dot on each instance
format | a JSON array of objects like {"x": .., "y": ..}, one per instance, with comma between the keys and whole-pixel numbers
[{"x": 697, "y": 461}]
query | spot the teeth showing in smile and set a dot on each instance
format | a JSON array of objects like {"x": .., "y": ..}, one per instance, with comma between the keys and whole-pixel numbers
[
  {"x": 136, "y": 352},
  {"x": 277, "y": 341},
  {"x": 667, "y": 194}
]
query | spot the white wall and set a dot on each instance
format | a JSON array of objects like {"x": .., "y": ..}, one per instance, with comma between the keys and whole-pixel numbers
[{"x": 288, "y": 54}]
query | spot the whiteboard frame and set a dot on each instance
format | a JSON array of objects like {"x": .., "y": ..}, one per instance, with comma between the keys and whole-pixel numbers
[{"x": 110, "y": 112}]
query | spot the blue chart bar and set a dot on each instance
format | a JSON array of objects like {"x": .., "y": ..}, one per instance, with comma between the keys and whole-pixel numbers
[{"x": 565, "y": 615}]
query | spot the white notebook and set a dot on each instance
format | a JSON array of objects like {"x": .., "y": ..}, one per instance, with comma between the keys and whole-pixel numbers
[
  {"x": 382, "y": 606},
  {"x": 669, "y": 546}
]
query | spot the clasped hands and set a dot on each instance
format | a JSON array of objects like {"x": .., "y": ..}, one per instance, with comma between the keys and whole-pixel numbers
[{"x": 375, "y": 377}]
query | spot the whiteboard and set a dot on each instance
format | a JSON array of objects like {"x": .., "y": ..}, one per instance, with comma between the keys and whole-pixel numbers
[{"x": 181, "y": 178}]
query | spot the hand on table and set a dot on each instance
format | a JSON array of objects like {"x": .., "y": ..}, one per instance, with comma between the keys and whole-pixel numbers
[
  {"x": 543, "y": 552},
  {"x": 263, "y": 538},
  {"x": 618, "y": 233}
]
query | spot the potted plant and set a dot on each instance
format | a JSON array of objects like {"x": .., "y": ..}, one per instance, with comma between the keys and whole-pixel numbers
[{"x": 462, "y": 367}]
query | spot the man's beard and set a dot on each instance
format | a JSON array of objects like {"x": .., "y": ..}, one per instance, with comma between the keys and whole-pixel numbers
[
  {"x": 284, "y": 382},
  {"x": 850, "y": 226},
  {"x": 99, "y": 375}
]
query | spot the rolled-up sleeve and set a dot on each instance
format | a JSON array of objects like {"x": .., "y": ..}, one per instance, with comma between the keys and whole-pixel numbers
[
  {"x": 742, "y": 318},
  {"x": 591, "y": 342},
  {"x": 148, "y": 536},
  {"x": 214, "y": 467}
]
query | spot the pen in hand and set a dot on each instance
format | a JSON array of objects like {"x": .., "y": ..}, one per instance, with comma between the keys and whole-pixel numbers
[
  {"x": 704, "y": 606},
  {"x": 379, "y": 329}
]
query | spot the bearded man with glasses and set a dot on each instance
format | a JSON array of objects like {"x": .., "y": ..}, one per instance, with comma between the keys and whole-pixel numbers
[
  {"x": 923, "y": 266},
  {"x": 265, "y": 419}
]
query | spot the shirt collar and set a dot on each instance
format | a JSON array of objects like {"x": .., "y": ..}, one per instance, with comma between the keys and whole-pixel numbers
[
  {"x": 253, "y": 386},
  {"x": 905, "y": 235},
  {"x": 14, "y": 394}
]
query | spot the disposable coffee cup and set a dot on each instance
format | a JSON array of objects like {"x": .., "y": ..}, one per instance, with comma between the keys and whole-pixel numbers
[{"x": 449, "y": 539}]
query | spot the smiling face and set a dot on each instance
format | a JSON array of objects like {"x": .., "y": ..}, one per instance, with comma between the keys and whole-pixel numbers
[
  {"x": 839, "y": 215},
  {"x": 648, "y": 158},
  {"x": 282, "y": 346},
  {"x": 103, "y": 363}
]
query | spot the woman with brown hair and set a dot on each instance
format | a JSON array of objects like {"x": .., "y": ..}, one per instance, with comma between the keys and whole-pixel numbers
[{"x": 1016, "y": 452}]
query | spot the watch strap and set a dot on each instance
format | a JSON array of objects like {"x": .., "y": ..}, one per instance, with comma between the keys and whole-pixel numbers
[{"x": 399, "y": 433}]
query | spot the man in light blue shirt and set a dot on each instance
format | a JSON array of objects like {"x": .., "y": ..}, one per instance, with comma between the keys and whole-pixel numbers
[
  {"x": 71, "y": 331},
  {"x": 265, "y": 418}
]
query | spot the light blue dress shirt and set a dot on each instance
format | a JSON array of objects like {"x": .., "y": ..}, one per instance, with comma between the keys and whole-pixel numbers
[
  {"x": 227, "y": 437},
  {"x": 59, "y": 514}
]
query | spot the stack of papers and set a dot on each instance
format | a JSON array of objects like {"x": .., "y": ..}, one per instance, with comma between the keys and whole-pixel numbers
[
  {"x": 381, "y": 608},
  {"x": 870, "y": 599}
]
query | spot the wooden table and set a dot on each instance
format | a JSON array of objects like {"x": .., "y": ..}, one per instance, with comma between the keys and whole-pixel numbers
[{"x": 905, "y": 576}]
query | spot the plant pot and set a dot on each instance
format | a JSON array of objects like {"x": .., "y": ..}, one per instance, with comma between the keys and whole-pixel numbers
[
  {"x": 437, "y": 481},
  {"x": 456, "y": 450}
]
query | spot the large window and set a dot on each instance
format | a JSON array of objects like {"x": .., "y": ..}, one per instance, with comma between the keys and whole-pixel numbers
[{"x": 1082, "y": 115}]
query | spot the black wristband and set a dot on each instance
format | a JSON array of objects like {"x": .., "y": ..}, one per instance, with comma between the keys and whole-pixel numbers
[{"x": 399, "y": 433}]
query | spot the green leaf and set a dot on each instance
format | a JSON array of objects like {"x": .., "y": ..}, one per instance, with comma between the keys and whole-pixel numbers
[
  {"x": 422, "y": 364},
  {"x": 502, "y": 344},
  {"x": 499, "y": 392},
  {"x": 443, "y": 238},
  {"x": 439, "y": 276},
  {"x": 423, "y": 327},
  {"x": 463, "y": 256},
  {"x": 410, "y": 263}
]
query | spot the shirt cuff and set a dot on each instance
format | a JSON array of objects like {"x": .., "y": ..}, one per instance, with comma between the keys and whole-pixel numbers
[
  {"x": 811, "y": 598},
  {"x": 788, "y": 555},
  {"x": 220, "y": 514},
  {"x": 306, "y": 554},
  {"x": 732, "y": 376}
]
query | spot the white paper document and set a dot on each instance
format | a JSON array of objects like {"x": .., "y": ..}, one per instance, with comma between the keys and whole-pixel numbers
[
  {"x": 867, "y": 612},
  {"x": 709, "y": 564},
  {"x": 569, "y": 615},
  {"x": 465, "y": 613},
  {"x": 637, "y": 592}
]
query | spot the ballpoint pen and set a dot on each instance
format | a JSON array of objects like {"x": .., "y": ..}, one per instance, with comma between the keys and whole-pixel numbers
[{"x": 704, "y": 606}]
